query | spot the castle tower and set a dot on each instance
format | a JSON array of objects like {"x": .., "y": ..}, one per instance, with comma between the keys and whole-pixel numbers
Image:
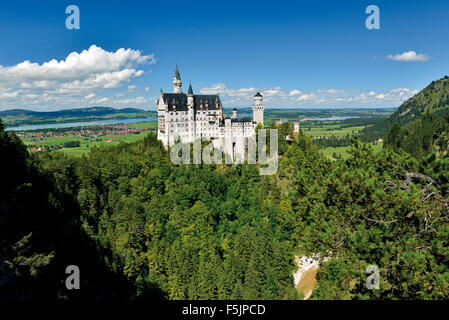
[
  {"x": 258, "y": 109},
  {"x": 234, "y": 113},
  {"x": 177, "y": 83},
  {"x": 190, "y": 96},
  {"x": 191, "y": 115}
]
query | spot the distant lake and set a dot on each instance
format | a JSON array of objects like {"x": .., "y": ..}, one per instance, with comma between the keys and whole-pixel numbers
[
  {"x": 78, "y": 124},
  {"x": 330, "y": 118}
]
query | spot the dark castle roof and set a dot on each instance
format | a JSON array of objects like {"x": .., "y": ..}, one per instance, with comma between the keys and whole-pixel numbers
[
  {"x": 247, "y": 119},
  {"x": 258, "y": 94},
  {"x": 178, "y": 101}
]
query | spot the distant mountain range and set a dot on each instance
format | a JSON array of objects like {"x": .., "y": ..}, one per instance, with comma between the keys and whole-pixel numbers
[{"x": 17, "y": 117}]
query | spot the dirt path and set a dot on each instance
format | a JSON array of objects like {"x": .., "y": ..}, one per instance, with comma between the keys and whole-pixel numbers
[{"x": 305, "y": 276}]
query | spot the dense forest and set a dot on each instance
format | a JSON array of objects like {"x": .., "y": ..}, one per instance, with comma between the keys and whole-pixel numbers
[{"x": 139, "y": 226}]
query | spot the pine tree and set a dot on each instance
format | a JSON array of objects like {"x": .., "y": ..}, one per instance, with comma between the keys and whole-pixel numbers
[
  {"x": 253, "y": 278},
  {"x": 243, "y": 247},
  {"x": 238, "y": 291},
  {"x": 271, "y": 289}
]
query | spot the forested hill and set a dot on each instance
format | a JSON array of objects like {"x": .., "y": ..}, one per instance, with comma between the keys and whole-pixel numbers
[
  {"x": 17, "y": 117},
  {"x": 432, "y": 99},
  {"x": 420, "y": 125}
]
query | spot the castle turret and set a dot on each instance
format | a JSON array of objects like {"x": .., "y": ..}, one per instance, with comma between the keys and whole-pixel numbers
[
  {"x": 190, "y": 95},
  {"x": 234, "y": 113},
  {"x": 177, "y": 83},
  {"x": 258, "y": 108},
  {"x": 191, "y": 128}
]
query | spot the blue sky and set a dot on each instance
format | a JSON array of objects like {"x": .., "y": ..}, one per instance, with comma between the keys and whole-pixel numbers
[{"x": 305, "y": 54}]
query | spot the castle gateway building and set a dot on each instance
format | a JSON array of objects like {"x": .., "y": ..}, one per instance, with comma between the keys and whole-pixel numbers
[{"x": 189, "y": 117}]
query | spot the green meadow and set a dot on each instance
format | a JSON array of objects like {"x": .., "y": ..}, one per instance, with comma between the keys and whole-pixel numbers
[
  {"x": 343, "y": 151},
  {"x": 144, "y": 125},
  {"x": 327, "y": 130}
]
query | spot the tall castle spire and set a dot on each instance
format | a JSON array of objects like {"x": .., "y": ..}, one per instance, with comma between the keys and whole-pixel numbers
[
  {"x": 177, "y": 83},
  {"x": 177, "y": 75},
  {"x": 190, "y": 96}
]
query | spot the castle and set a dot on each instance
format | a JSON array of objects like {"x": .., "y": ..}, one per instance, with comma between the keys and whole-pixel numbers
[{"x": 189, "y": 117}]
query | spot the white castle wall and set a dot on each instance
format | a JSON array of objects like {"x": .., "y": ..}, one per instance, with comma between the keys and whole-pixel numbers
[{"x": 188, "y": 126}]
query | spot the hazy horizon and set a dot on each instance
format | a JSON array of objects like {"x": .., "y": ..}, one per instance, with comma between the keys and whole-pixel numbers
[{"x": 225, "y": 108}]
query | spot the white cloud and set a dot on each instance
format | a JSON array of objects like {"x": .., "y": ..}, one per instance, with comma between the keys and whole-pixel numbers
[
  {"x": 95, "y": 60},
  {"x": 330, "y": 91},
  {"x": 99, "y": 101},
  {"x": 294, "y": 92},
  {"x": 272, "y": 92},
  {"x": 9, "y": 95},
  {"x": 68, "y": 82},
  {"x": 216, "y": 88},
  {"x": 333, "y": 91},
  {"x": 130, "y": 102},
  {"x": 321, "y": 98},
  {"x": 147, "y": 89},
  {"x": 305, "y": 97},
  {"x": 393, "y": 97},
  {"x": 408, "y": 57},
  {"x": 131, "y": 88}
]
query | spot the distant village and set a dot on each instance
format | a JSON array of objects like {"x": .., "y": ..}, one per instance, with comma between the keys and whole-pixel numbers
[{"x": 92, "y": 132}]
